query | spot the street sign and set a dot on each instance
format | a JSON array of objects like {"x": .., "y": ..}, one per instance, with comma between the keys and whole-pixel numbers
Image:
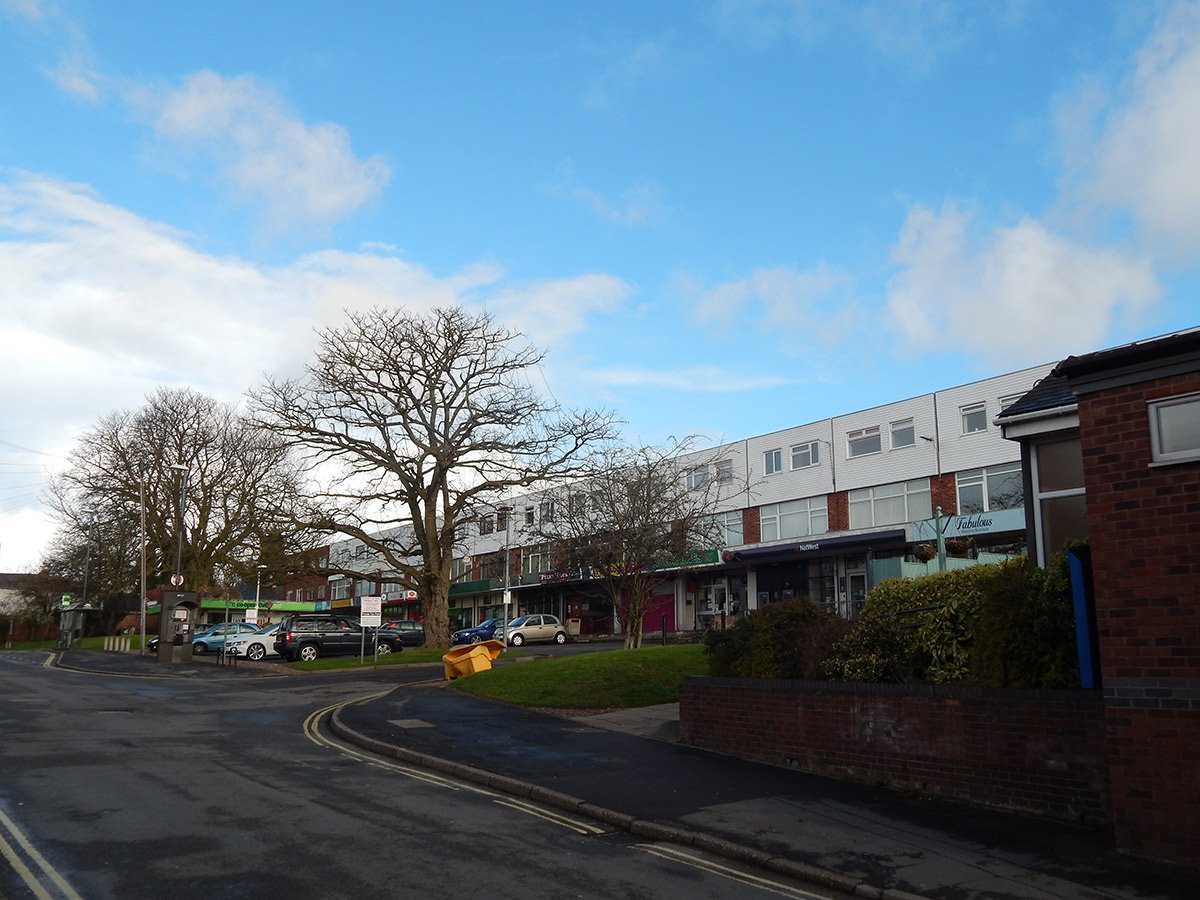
[
  {"x": 371, "y": 611},
  {"x": 176, "y": 579}
]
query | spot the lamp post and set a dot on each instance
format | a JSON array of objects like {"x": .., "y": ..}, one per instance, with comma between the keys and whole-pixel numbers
[
  {"x": 184, "y": 471},
  {"x": 258, "y": 591},
  {"x": 142, "y": 502},
  {"x": 506, "y": 597}
]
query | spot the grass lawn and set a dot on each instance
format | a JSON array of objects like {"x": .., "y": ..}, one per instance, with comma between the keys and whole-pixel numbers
[{"x": 613, "y": 679}]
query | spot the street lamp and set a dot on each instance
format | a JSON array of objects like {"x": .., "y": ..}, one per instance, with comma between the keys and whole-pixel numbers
[
  {"x": 142, "y": 501},
  {"x": 184, "y": 471},
  {"x": 258, "y": 591},
  {"x": 506, "y": 597}
]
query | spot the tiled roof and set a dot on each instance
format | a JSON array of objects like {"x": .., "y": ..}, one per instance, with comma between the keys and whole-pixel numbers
[{"x": 1051, "y": 392}]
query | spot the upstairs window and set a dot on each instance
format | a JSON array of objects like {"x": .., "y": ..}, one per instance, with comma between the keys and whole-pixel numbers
[
  {"x": 546, "y": 510},
  {"x": 903, "y": 434},
  {"x": 863, "y": 442},
  {"x": 1175, "y": 429},
  {"x": 805, "y": 455},
  {"x": 486, "y": 524},
  {"x": 974, "y": 418},
  {"x": 529, "y": 516},
  {"x": 772, "y": 461},
  {"x": 724, "y": 471},
  {"x": 697, "y": 478}
]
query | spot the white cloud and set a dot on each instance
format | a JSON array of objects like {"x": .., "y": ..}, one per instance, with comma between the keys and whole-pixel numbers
[
  {"x": 625, "y": 72},
  {"x": 101, "y": 307},
  {"x": 1007, "y": 293},
  {"x": 301, "y": 174},
  {"x": 1142, "y": 158},
  {"x": 695, "y": 379},
  {"x": 815, "y": 301}
]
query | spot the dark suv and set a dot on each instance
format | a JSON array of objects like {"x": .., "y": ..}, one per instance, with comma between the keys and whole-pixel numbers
[{"x": 313, "y": 635}]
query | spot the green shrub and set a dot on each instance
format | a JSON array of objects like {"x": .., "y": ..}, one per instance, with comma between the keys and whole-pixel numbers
[
  {"x": 789, "y": 639},
  {"x": 1006, "y": 625},
  {"x": 1025, "y": 633}
]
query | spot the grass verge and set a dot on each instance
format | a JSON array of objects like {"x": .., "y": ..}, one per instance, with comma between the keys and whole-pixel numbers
[{"x": 614, "y": 679}]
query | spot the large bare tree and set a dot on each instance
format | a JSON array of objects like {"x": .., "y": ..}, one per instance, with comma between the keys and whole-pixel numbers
[
  {"x": 417, "y": 423},
  {"x": 640, "y": 517},
  {"x": 242, "y": 485}
]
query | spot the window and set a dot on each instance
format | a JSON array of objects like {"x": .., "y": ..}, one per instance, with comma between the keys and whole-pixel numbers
[
  {"x": 577, "y": 505},
  {"x": 502, "y": 519},
  {"x": 460, "y": 568},
  {"x": 890, "y": 504},
  {"x": 996, "y": 487},
  {"x": 863, "y": 442},
  {"x": 1006, "y": 402},
  {"x": 536, "y": 559},
  {"x": 796, "y": 518},
  {"x": 486, "y": 525},
  {"x": 974, "y": 418},
  {"x": 529, "y": 515},
  {"x": 727, "y": 529},
  {"x": 903, "y": 434},
  {"x": 724, "y": 471},
  {"x": 1175, "y": 429},
  {"x": 805, "y": 455},
  {"x": 1058, "y": 495},
  {"x": 697, "y": 478},
  {"x": 340, "y": 589},
  {"x": 772, "y": 461},
  {"x": 546, "y": 510}
]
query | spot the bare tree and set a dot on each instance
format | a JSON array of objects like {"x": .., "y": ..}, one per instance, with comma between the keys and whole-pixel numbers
[
  {"x": 241, "y": 487},
  {"x": 644, "y": 514},
  {"x": 419, "y": 421}
]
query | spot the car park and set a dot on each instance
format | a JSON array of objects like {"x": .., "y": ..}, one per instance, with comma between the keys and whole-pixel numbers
[
  {"x": 200, "y": 631},
  {"x": 532, "y": 628},
  {"x": 484, "y": 631},
  {"x": 309, "y": 636},
  {"x": 408, "y": 632},
  {"x": 254, "y": 646}
]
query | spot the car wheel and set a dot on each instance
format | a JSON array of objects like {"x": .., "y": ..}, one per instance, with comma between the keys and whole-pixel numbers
[
  {"x": 256, "y": 652},
  {"x": 476, "y": 639},
  {"x": 309, "y": 652},
  {"x": 199, "y": 649},
  {"x": 383, "y": 649},
  {"x": 517, "y": 640},
  {"x": 559, "y": 637}
]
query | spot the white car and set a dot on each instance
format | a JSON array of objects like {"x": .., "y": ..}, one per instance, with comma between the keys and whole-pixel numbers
[{"x": 254, "y": 646}]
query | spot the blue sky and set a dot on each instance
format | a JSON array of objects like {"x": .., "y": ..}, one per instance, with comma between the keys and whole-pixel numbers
[{"x": 717, "y": 217}]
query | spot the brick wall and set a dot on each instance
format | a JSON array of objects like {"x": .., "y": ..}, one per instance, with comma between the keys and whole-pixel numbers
[
  {"x": 1144, "y": 524},
  {"x": 1032, "y": 751},
  {"x": 943, "y": 492}
]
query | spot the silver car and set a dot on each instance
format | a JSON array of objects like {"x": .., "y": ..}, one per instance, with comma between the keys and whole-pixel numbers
[{"x": 532, "y": 627}]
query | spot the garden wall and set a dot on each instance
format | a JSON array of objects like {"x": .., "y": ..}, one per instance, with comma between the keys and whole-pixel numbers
[{"x": 1027, "y": 750}]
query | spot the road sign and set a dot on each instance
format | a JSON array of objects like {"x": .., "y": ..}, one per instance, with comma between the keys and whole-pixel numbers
[
  {"x": 176, "y": 579},
  {"x": 371, "y": 611}
]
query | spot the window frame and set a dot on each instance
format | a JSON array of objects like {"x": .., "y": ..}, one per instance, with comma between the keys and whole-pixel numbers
[
  {"x": 724, "y": 469},
  {"x": 1158, "y": 455},
  {"x": 814, "y": 454},
  {"x": 860, "y": 435},
  {"x": 773, "y": 461},
  {"x": 697, "y": 478},
  {"x": 899, "y": 427},
  {"x": 771, "y": 517},
  {"x": 859, "y": 497},
  {"x": 973, "y": 409}
]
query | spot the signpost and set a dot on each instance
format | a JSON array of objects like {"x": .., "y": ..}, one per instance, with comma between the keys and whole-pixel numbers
[{"x": 370, "y": 616}]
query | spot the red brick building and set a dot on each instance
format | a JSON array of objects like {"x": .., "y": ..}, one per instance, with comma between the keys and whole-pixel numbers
[{"x": 1111, "y": 451}]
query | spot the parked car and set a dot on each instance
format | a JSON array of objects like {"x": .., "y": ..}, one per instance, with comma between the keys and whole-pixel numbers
[
  {"x": 254, "y": 646},
  {"x": 409, "y": 633},
  {"x": 533, "y": 627},
  {"x": 213, "y": 639},
  {"x": 484, "y": 631},
  {"x": 199, "y": 631},
  {"x": 309, "y": 636}
]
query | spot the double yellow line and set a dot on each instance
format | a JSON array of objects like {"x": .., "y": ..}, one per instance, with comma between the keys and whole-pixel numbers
[{"x": 10, "y": 829}]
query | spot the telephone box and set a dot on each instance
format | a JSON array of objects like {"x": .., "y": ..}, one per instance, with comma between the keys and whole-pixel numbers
[{"x": 177, "y": 625}]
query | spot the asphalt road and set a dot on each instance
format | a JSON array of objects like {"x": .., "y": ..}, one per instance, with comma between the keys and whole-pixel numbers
[{"x": 228, "y": 785}]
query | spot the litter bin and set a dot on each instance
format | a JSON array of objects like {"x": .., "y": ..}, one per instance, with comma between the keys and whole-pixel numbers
[{"x": 470, "y": 658}]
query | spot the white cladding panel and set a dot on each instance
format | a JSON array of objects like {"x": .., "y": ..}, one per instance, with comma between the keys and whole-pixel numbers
[
  {"x": 790, "y": 483},
  {"x": 988, "y": 447},
  {"x": 890, "y": 464}
]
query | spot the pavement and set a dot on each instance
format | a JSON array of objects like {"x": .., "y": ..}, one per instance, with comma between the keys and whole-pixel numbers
[{"x": 627, "y": 769}]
